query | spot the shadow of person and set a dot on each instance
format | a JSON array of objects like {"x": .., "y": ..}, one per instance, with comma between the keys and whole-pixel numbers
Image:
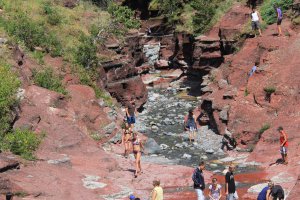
[{"x": 277, "y": 162}]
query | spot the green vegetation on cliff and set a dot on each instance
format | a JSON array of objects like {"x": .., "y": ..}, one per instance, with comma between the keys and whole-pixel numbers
[
  {"x": 9, "y": 85},
  {"x": 268, "y": 11},
  {"x": 195, "y": 16}
]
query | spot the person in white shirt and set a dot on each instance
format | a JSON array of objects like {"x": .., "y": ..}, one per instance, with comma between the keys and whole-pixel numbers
[{"x": 255, "y": 22}]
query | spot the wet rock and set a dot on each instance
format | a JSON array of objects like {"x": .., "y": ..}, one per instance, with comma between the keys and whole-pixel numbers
[
  {"x": 152, "y": 147},
  {"x": 209, "y": 151},
  {"x": 164, "y": 146},
  {"x": 154, "y": 128},
  {"x": 178, "y": 145},
  {"x": 91, "y": 182},
  {"x": 204, "y": 157},
  {"x": 186, "y": 156},
  {"x": 213, "y": 165}
]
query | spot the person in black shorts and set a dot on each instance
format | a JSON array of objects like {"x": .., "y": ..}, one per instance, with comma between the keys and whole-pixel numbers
[{"x": 279, "y": 19}]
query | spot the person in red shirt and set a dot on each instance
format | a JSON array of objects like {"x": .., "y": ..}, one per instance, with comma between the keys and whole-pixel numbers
[{"x": 283, "y": 144}]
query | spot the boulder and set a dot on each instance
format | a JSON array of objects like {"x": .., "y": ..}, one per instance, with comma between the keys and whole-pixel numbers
[{"x": 152, "y": 147}]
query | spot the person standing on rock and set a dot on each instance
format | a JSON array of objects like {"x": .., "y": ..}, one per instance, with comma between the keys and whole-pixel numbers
[
  {"x": 215, "y": 190},
  {"x": 279, "y": 19},
  {"x": 137, "y": 152},
  {"x": 157, "y": 192},
  {"x": 283, "y": 145},
  {"x": 230, "y": 189},
  {"x": 190, "y": 125},
  {"x": 198, "y": 179},
  {"x": 255, "y": 21},
  {"x": 126, "y": 138},
  {"x": 130, "y": 113}
]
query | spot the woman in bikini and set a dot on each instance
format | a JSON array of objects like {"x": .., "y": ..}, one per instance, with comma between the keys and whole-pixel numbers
[
  {"x": 126, "y": 139},
  {"x": 137, "y": 152}
]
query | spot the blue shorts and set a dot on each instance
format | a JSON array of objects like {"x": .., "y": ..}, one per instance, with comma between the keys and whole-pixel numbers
[{"x": 131, "y": 119}]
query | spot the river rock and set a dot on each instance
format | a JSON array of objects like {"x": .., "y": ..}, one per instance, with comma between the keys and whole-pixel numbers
[
  {"x": 186, "y": 156},
  {"x": 204, "y": 157},
  {"x": 213, "y": 165},
  {"x": 152, "y": 147},
  {"x": 209, "y": 151},
  {"x": 154, "y": 128},
  {"x": 257, "y": 188},
  {"x": 91, "y": 182},
  {"x": 164, "y": 146},
  {"x": 178, "y": 145}
]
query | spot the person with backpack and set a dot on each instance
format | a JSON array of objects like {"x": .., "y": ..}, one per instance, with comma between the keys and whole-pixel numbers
[
  {"x": 190, "y": 125},
  {"x": 198, "y": 179},
  {"x": 279, "y": 19},
  {"x": 215, "y": 190},
  {"x": 255, "y": 22}
]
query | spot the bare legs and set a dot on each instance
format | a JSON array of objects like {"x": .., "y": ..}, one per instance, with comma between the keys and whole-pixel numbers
[
  {"x": 138, "y": 168},
  {"x": 279, "y": 30}
]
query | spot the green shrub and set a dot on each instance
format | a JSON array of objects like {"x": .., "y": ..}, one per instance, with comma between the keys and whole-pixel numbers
[
  {"x": 53, "y": 16},
  {"x": 25, "y": 30},
  {"x": 9, "y": 85},
  {"x": 269, "y": 14},
  {"x": 46, "y": 78},
  {"x": 31, "y": 33},
  {"x": 39, "y": 57},
  {"x": 264, "y": 128},
  {"x": 21, "y": 142},
  {"x": 86, "y": 54},
  {"x": 246, "y": 93},
  {"x": 123, "y": 15},
  {"x": 269, "y": 90}
]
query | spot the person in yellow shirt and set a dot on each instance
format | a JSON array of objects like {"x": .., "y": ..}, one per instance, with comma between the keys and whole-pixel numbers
[{"x": 157, "y": 192}]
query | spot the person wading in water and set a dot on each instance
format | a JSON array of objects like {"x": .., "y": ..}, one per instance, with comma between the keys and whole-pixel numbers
[
  {"x": 126, "y": 138},
  {"x": 190, "y": 125},
  {"x": 137, "y": 152}
]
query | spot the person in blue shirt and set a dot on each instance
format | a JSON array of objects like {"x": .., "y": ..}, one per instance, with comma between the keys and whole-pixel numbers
[{"x": 279, "y": 19}]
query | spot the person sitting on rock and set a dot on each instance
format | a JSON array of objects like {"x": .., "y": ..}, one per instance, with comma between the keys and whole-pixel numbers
[
  {"x": 215, "y": 190},
  {"x": 137, "y": 152},
  {"x": 190, "y": 125},
  {"x": 265, "y": 192},
  {"x": 253, "y": 69},
  {"x": 276, "y": 192},
  {"x": 130, "y": 113},
  {"x": 126, "y": 138}
]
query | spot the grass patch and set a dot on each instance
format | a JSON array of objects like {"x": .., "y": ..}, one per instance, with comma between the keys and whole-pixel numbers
[
  {"x": 269, "y": 14},
  {"x": 39, "y": 57},
  {"x": 96, "y": 136},
  {"x": 264, "y": 128},
  {"x": 9, "y": 85},
  {"x": 21, "y": 142},
  {"x": 46, "y": 78},
  {"x": 246, "y": 92}
]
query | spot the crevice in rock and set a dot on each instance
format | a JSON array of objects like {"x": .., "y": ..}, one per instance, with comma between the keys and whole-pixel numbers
[{"x": 207, "y": 107}]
